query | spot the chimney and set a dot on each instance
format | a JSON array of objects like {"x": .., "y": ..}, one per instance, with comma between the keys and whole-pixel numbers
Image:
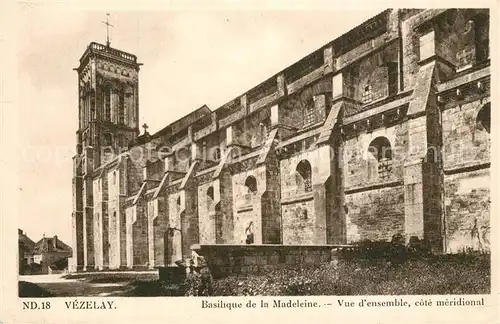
[{"x": 54, "y": 242}]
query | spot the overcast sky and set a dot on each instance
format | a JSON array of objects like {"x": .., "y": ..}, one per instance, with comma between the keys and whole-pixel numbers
[{"x": 191, "y": 58}]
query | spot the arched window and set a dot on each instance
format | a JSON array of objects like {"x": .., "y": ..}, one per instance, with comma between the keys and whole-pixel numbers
[
  {"x": 304, "y": 175},
  {"x": 379, "y": 158},
  {"x": 121, "y": 107},
  {"x": 179, "y": 202},
  {"x": 309, "y": 115},
  {"x": 367, "y": 94},
  {"x": 210, "y": 196},
  {"x": 483, "y": 119},
  {"x": 249, "y": 234},
  {"x": 108, "y": 152},
  {"x": 107, "y": 103},
  {"x": 216, "y": 154},
  {"x": 380, "y": 149},
  {"x": 108, "y": 139},
  {"x": 251, "y": 184}
]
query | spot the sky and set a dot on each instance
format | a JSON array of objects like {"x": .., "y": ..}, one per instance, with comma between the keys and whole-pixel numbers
[{"x": 190, "y": 58}]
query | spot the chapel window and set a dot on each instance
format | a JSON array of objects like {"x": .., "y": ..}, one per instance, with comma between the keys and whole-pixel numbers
[
  {"x": 309, "y": 115},
  {"x": 380, "y": 158},
  {"x": 251, "y": 185},
  {"x": 303, "y": 175},
  {"x": 367, "y": 94},
  {"x": 483, "y": 120},
  {"x": 216, "y": 155},
  {"x": 392, "y": 71},
  {"x": 210, "y": 196}
]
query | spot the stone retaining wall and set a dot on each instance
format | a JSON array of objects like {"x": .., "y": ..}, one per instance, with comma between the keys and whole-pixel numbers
[{"x": 225, "y": 260}]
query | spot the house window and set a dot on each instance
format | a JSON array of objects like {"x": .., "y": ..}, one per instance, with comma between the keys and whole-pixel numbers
[
  {"x": 379, "y": 158},
  {"x": 303, "y": 175},
  {"x": 367, "y": 94},
  {"x": 251, "y": 184}
]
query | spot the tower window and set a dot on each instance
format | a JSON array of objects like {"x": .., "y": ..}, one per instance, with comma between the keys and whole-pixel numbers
[
  {"x": 108, "y": 139},
  {"x": 304, "y": 175},
  {"x": 121, "y": 107},
  {"x": 107, "y": 104}
]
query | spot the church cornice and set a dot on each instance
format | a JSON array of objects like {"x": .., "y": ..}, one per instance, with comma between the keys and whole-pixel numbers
[{"x": 114, "y": 55}]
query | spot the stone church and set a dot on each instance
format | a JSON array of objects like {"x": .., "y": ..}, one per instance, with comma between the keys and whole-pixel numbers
[{"x": 384, "y": 130}]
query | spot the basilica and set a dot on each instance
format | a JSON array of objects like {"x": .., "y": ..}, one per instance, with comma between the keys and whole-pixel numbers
[{"x": 384, "y": 130}]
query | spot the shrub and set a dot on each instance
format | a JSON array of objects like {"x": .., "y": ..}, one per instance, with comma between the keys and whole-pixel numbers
[{"x": 443, "y": 274}]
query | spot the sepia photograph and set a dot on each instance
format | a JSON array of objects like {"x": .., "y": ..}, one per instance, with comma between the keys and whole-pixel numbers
[{"x": 255, "y": 153}]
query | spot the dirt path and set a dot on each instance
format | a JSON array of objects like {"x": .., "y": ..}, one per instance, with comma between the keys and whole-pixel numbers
[{"x": 86, "y": 284}]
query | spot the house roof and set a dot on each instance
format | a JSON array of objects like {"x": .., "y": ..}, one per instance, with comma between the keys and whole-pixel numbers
[
  {"x": 25, "y": 241},
  {"x": 46, "y": 244}
]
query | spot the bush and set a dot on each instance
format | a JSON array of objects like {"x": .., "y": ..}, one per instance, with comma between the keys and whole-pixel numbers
[
  {"x": 444, "y": 274},
  {"x": 28, "y": 289}
]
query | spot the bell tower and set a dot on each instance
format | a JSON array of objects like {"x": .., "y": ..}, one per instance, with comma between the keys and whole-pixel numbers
[
  {"x": 108, "y": 115},
  {"x": 108, "y": 101}
]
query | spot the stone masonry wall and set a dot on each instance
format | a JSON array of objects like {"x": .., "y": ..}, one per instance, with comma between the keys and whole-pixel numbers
[
  {"x": 226, "y": 207},
  {"x": 292, "y": 110},
  {"x": 247, "y": 207},
  {"x": 375, "y": 214},
  {"x": 225, "y": 260},
  {"x": 360, "y": 167},
  {"x": 174, "y": 221},
  {"x": 468, "y": 211},
  {"x": 464, "y": 143},
  {"x": 373, "y": 71},
  {"x": 466, "y": 153},
  {"x": 297, "y": 206},
  {"x": 140, "y": 235}
]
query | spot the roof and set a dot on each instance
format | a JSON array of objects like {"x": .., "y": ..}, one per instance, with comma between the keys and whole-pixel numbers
[
  {"x": 46, "y": 244},
  {"x": 25, "y": 241},
  {"x": 177, "y": 126}
]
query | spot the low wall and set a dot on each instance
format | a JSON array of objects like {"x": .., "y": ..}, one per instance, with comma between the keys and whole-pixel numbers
[{"x": 225, "y": 260}]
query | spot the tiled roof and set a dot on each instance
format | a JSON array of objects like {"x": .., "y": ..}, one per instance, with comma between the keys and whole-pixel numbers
[
  {"x": 46, "y": 244},
  {"x": 25, "y": 241}
]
